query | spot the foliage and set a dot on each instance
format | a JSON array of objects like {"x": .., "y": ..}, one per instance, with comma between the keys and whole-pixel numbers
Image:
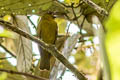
[
  {"x": 62, "y": 24},
  {"x": 112, "y": 44},
  {"x": 4, "y": 32}
]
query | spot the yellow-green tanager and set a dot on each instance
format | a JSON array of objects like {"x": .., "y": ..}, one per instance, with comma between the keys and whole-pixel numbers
[{"x": 46, "y": 31}]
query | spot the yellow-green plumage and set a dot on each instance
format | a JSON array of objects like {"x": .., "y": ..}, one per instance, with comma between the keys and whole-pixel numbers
[{"x": 46, "y": 31}]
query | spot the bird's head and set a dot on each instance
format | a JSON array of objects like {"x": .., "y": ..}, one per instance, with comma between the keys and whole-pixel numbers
[{"x": 48, "y": 16}]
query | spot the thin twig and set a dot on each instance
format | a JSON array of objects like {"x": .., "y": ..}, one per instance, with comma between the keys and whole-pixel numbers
[
  {"x": 4, "y": 58},
  {"x": 31, "y": 22},
  {"x": 73, "y": 19},
  {"x": 68, "y": 28},
  {"x": 21, "y": 73},
  {"x": 75, "y": 16},
  {"x": 49, "y": 48},
  {"x": 100, "y": 10},
  {"x": 63, "y": 72},
  {"x": 81, "y": 25},
  {"x": 8, "y": 51}
]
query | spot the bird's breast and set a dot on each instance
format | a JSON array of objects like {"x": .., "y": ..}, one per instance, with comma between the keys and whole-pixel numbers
[{"x": 49, "y": 33}]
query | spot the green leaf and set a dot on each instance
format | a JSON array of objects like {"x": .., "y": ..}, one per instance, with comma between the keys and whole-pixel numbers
[
  {"x": 6, "y": 33},
  {"x": 3, "y": 76},
  {"x": 113, "y": 52},
  {"x": 112, "y": 42},
  {"x": 113, "y": 22}
]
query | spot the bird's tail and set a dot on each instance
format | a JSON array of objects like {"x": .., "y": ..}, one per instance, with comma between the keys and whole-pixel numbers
[{"x": 45, "y": 60}]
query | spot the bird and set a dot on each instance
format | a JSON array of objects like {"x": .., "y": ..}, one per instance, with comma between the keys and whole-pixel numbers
[{"x": 47, "y": 31}]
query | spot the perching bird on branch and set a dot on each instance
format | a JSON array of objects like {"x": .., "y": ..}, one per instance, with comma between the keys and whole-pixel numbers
[{"x": 46, "y": 31}]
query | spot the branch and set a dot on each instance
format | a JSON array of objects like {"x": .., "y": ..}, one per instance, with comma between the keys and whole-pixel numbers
[
  {"x": 49, "y": 48},
  {"x": 21, "y": 73},
  {"x": 68, "y": 47},
  {"x": 7, "y": 50},
  {"x": 100, "y": 10}
]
